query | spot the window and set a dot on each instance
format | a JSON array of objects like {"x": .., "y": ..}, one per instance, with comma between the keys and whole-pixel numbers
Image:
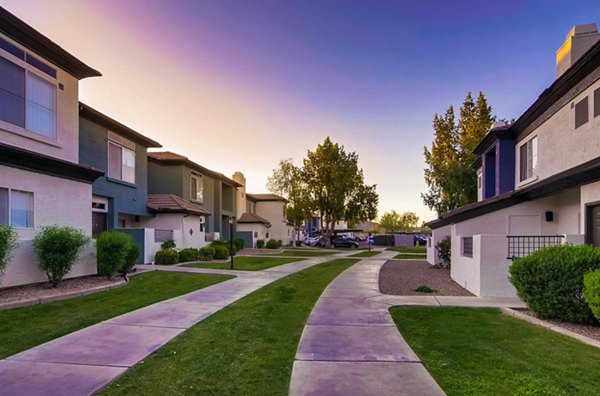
[
  {"x": 581, "y": 112},
  {"x": 27, "y": 100},
  {"x": 121, "y": 161},
  {"x": 597, "y": 102},
  {"x": 16, "y": 208},
  {"x": 528, "y": 159},
  {"x": 467, "y": 246},
  {"x": 197, "y": 187},
  {"x": 163, "y": 235}
]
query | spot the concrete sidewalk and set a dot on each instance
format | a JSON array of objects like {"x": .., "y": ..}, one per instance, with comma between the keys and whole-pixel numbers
[
  {"x": 351, "y": 346},
  {"x": 85, "y": 361}
]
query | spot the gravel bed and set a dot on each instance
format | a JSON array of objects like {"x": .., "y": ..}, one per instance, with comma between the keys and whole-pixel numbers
[
  {"x": 591, "y": 331},
  {"x": 41, "y": 290},
  {"x": 402, "y": 277}
]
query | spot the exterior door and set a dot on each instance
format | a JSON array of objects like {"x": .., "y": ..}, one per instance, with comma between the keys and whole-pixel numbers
[
  {"x": 98, "y": 223},
  {"x": 594, "y": 225}
]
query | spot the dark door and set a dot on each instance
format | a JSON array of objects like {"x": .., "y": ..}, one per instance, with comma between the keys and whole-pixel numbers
[
  {"x": 98, "y": 223},
  {"x": 594, "y": 225}
]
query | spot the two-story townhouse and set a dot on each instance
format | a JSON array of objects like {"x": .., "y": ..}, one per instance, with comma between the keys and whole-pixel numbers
[
  {"x": 120, "y": 196},
  {"x": 538, "y": 178},
  {"x": 41, "y": 182},
  {"x": 211, "y": 194}
]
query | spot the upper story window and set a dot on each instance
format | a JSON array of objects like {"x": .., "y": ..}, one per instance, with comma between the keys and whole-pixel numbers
[
  {"x": 597, "y": 102},
  {"x": 196, "y": 187},
  {"x": 27, "y": 91},
  {"x": 121, "y": 158},
  {"x": 528, "y": 153},
  {"x": 581, "y": 112},
  {"x": 16, "y": 208}
]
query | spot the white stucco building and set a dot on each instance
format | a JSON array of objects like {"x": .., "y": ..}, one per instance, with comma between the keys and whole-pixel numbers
[
  {"x": 41, "y": 182},
  {"x": 538, "y": 178}
]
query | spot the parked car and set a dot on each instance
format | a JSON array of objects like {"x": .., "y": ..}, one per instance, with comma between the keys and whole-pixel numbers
[
  {"x": 420, "y": 241},
  {"x": 312, "y": 241},
  {"x": 343, "y": 242}
]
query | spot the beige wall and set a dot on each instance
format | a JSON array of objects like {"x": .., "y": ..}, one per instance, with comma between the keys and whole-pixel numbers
[
  {"x": 66, "y": 145},
  {"x": 260, "y": 229},
  {"x": 56, "y": 201},
  {"x": 274, "y": 212},
  {"x": 560, "y": 145},
  {"x": 181, "y": 223}
]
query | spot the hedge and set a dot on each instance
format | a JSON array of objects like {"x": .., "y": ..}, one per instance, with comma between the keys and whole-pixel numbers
[
  {"x": 166, "y": 257},
  {"x": 188, "y": 254}
]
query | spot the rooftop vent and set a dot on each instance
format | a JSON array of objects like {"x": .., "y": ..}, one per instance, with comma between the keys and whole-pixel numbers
[{"x": 578, "y": 41}]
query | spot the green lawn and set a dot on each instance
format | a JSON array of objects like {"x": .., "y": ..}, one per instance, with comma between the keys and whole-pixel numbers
[
  {"x": 246, "y": 263},
  {"x": 408, "y": 249},
  {"x": 366, "y": 253},
  {"x": 303, "y": 253},
  {"x": 404, "y": 256},
  {"x": 24, "y": 328},
  {"x": 475, "y": 351},
  {"x": 246, "y": 349}
]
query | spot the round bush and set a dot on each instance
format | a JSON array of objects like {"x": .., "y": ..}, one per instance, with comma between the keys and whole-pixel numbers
[
  {"x": 550, "y": 281},
  {"x": 189, "y": 254},
  {"x": 166, "y": 257},
  {"x": 8, "y": 243},
  {"x": 112, "y": 252},
  {"x": 221, "y": 252},
  {"x": 260, "y": 243},
  {"x": 57, "y": 248},
  {"x": 444, "y": 252},
  {"x": 169, "y": 244},
  {"x": 591, "y": 291},
  {"x": 239, "y": 243},
  {"x": 206, "y": 253},
  {"x": 133, "y": 253},
  {"x": 273, "y": 244}
]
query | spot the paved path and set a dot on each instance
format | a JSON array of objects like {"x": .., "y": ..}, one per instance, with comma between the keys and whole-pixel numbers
[
  {"x": 351, "y": 346},
  {"x": 85, "y": 361}
]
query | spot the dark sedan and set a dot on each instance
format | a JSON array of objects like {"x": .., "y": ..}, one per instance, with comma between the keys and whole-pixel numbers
[{"x": 343, "y": 242}]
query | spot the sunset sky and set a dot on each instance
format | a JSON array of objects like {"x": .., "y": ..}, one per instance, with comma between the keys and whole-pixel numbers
[{"x": 239, "y": 85}]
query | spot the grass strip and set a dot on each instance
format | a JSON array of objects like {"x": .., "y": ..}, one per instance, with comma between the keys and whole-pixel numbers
[
  {"x": 246, "y": 349},
  {"x": 24, "y": 328},
  {"x": 408, "y": 249},
  {"x": 403, "y": 256},
  {"x": 366, "y": 254},
  {"x": 304, "y": 253},
  {"x": 246, "y": 263},
  {"x": 480, "y": 351}
]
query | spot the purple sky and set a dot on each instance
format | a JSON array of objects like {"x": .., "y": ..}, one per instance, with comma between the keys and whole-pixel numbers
[{"x": 238, "y": 85}]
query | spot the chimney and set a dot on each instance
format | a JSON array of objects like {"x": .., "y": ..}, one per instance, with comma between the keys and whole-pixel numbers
[
  {"x": 579, "y": 40},
  {"x": 241, "y": 193}
]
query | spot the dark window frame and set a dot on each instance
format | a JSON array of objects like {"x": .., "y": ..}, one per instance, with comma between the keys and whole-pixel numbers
[{"x": 582, "y": 112}]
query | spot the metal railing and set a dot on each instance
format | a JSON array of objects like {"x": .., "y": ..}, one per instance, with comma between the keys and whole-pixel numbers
[{"x": 524, "y": 245}]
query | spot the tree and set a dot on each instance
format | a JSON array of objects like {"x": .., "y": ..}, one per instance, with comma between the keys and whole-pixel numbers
[
  {"x": 335, "y": 186},
  {"x": 449, "y": 176},
  {"x": 409, "y": 221},
  {"x": 391, "y": 221},
  {"x": 288, "y": 182}
]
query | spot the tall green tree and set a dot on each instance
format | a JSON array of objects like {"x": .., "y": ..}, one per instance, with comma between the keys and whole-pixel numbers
[
  {"x": 287, "y": 180},
  {"x": 336, "y": 187},
  {"x": 450, "y": 179},
  {"x": 391, "y": 221}
]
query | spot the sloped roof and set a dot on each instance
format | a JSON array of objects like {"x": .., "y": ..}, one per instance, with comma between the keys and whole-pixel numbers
[
  {"x": 252, "y": 218},
  {"x": 115, "y": 126},
  {"x": 171, "y": 203},
  {"x": 170, "y": 158},
  {"x": 27, "y": 36},
  {"x": 265, "y": 197}
]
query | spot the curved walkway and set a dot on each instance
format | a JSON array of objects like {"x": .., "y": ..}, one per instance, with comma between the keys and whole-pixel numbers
[
  {"x": 351, "y": 346},
  {"x": 85, "y": 361}
]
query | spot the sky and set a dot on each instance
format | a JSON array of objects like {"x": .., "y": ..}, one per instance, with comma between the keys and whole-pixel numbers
[{"x": 238, "y": 85}]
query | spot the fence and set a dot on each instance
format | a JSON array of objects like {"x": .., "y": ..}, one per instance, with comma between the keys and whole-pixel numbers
[{"x": 521, "y": 246}]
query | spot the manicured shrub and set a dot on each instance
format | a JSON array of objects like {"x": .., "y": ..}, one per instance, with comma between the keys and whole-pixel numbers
[
  {"x": 550, "y": 281},
  {"x": 239, "y": 243},
  {"x": 219, "y": 242},
  {"x": 170, "y": 244},
  {"x": 591, "y": 291},
  {"x": 273, "y": 244},
  {"x": 444, "y": 252},
  {"x": 221, "y": 252},
  {"x": 260, "y": 243},
  {"x": 8, "y": 244},
  {"x": 133, "y": 253},
  {"x": 113, "y": 253},
  {"x": 189, "y": 254},
  {"x": 57, "y": 248},
  {"x": 206, "y": 253},
  {"x": 166, "y": 257}
]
